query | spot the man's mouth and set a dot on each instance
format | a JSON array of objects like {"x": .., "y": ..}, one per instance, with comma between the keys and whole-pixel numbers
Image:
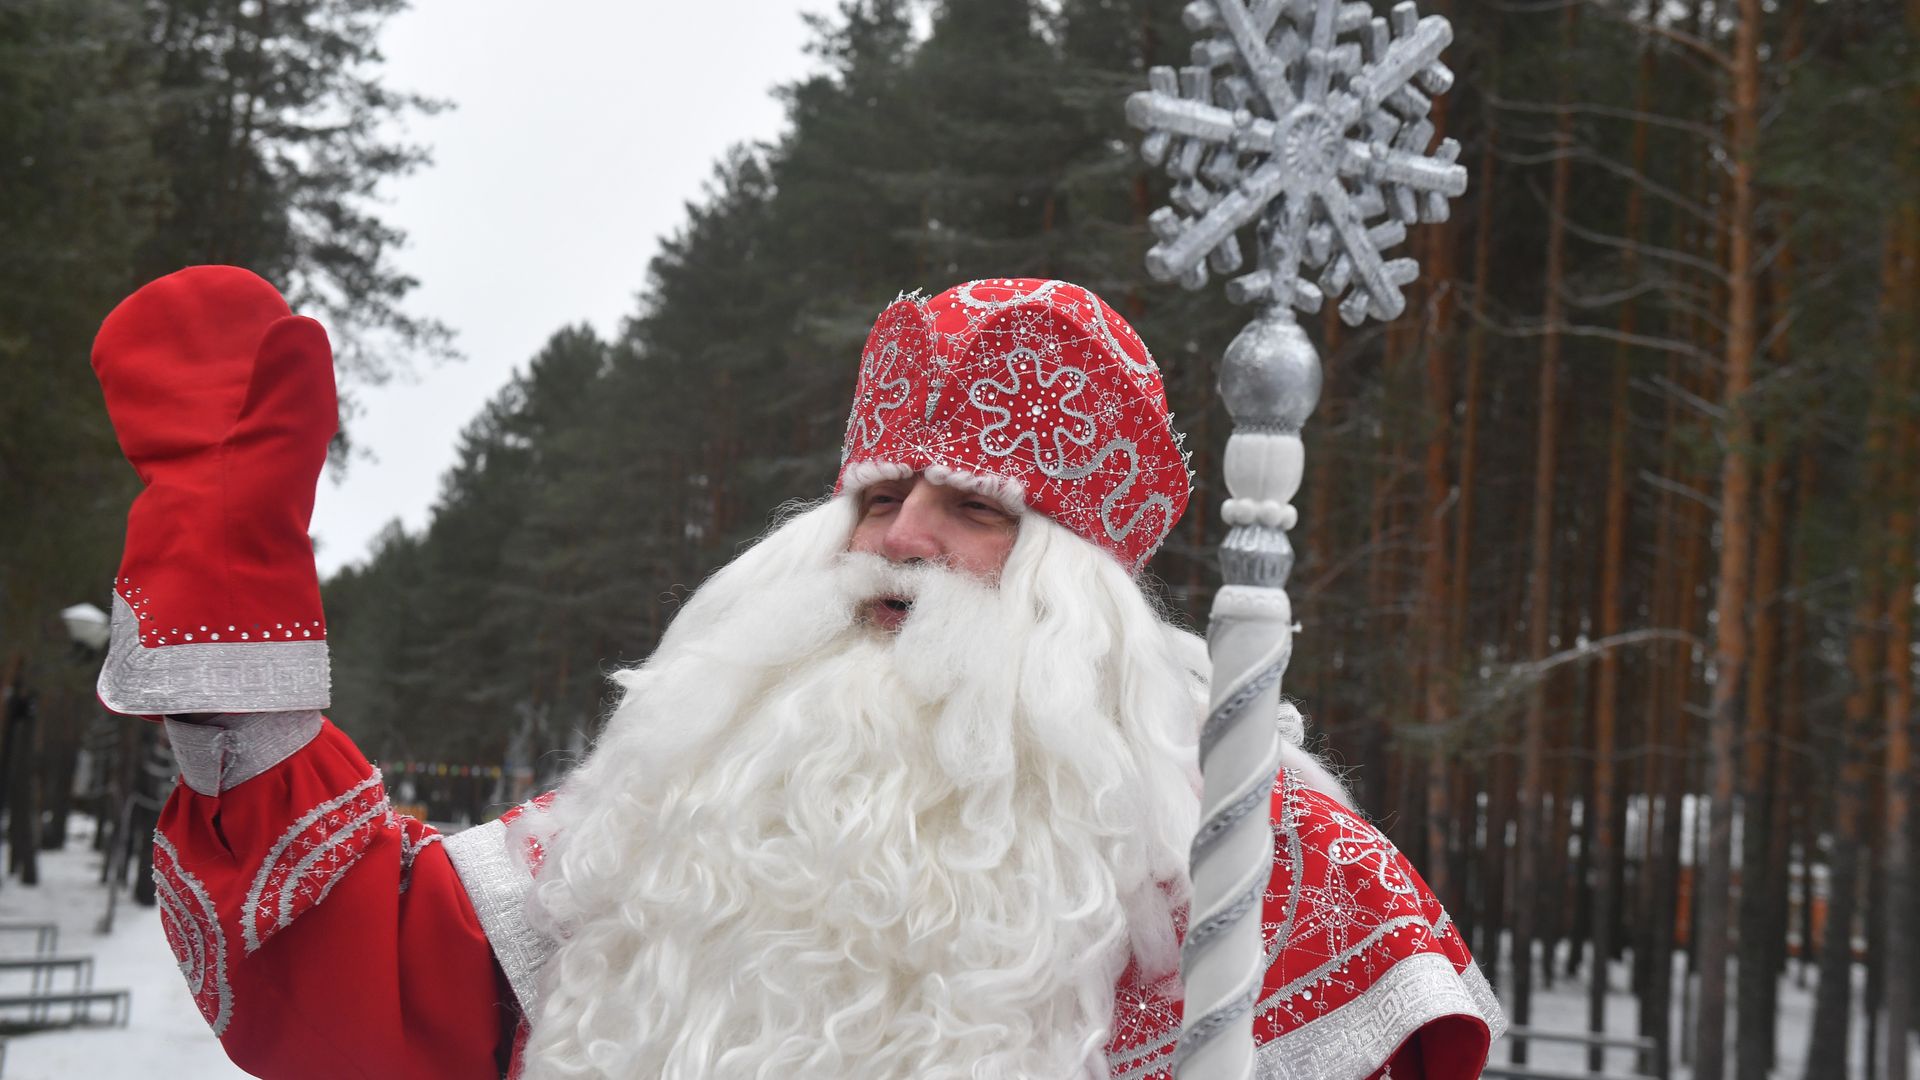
[{"x": 888, "y": 612}]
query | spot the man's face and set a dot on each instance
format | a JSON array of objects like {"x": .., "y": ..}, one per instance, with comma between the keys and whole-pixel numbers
[{"x": 915, "y": 520}]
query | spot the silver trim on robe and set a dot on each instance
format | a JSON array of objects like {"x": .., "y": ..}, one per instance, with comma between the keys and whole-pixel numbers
[
  {"x": 499, "y": 885},
  {"x": 1354, "y": 1040}
]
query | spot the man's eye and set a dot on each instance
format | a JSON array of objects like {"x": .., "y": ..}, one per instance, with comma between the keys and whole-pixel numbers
[{"x": 987, "y": 511}]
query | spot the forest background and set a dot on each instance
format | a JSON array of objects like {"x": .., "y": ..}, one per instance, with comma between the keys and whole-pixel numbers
[{"x": 1607, "y": 548}]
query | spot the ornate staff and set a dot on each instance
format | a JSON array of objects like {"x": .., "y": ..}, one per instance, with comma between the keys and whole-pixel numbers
[{"x": 1306, "y": 119}]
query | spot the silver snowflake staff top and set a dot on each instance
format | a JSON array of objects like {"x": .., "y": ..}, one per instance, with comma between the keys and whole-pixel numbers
[{"x": 1307, "y": 118}]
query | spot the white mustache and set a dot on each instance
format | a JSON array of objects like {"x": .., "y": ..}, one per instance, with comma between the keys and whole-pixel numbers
[{"x": 862, "y": 577}]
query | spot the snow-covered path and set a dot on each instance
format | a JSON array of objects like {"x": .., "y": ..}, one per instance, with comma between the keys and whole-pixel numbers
[{"x": 165, "y": 1039}]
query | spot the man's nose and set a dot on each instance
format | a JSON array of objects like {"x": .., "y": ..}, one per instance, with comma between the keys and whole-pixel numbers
[{"x": 913, "y": 534}]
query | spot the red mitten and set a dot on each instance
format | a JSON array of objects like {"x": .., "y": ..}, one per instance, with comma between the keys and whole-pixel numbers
[{"x": 223, "y": 401}]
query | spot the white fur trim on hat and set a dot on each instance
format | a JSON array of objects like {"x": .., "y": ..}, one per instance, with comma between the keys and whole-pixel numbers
[{"x": 1010, "y": 494}]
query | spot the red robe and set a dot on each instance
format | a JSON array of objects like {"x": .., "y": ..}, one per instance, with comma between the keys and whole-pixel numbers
[{"x": 325, "y": 936}]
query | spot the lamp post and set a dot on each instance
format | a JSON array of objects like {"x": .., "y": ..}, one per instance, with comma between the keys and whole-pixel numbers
[
  {"x": 1306, "y": 121},
  {"x": 87, "y": 626},
  {"x": 89, "y": 629}
]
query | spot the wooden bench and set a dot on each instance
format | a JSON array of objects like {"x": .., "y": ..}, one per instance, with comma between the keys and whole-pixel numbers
[
  {"x": 46, "y": 936},
  {"x": 80, "y": 1009},
  {"x": 1652, "y": 1063},
  {"x": 43, "y": 968}
]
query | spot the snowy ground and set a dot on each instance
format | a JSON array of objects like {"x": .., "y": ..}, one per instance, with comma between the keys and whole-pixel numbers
[
  {"x": 167, "y": 1040},
  {"x": 1564, "y": 1008}
]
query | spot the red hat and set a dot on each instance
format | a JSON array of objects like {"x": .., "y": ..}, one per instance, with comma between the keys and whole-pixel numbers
[
  {"x": 223, "y": 401},
  {"x": 1034, "y": 390}
]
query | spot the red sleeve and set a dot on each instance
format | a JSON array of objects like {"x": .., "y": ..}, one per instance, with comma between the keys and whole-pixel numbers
[
  {"x": 1363, "y": 965},
  {"x": 322, "y": 934},
  {"x": 1367, "y": 967}
]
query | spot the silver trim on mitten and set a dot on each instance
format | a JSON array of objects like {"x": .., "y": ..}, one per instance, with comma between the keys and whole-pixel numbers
[{"x": 210, "y": 677}]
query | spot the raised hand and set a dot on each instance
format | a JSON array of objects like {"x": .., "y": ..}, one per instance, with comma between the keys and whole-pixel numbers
[{"x": 223, "y": 401}]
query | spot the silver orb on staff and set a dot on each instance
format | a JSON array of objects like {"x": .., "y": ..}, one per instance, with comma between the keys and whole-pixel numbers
[{"x": 1308, "y": 121}]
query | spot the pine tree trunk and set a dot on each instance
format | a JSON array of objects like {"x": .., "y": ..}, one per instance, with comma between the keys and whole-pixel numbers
[
  {"x": 1676, "y": 777},
  {"x": 1902, "y": 949},
  {"x": 1323, "y": 540},
  {"x": 1377, "y": 780},
  {"x": 1759, "y": 818},
  {"x": 1736, "y": 482},
  {"x": 1764, "y": 902},
  {"x": 1527, "y": 844},
  {"x": 1663, "y": 604},
  {"x": 1612, "y": 566},
  {"x": 1199, "y": 570},
  {"x": 1483, "y": 911},
  {"x": 1791, "y": 759},
  {"x": 22, "y": 794},
  {"x": 1896, "y": 902},
  {"x": 1606, "y": 706},
  {"x": 1436, "y": 673},
  {"x": 1827, "y": 1047},
  {"x": 1435, "y": 666},
  {"x": 1556, "y": 900}
]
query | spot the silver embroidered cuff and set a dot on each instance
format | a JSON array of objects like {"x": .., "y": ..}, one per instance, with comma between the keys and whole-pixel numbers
[
  {"x": 220, "y": 754},
  {"x": 500, "y": 887},
  {"x": 1354, "y": 1040},
  {"x": 247, "y": 676}
]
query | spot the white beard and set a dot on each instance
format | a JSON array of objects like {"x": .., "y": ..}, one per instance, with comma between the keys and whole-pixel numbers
[{"x": 805, "y": 848}]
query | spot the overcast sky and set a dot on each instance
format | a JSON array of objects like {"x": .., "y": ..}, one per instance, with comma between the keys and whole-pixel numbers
[{"x": 581, "y": 129}]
